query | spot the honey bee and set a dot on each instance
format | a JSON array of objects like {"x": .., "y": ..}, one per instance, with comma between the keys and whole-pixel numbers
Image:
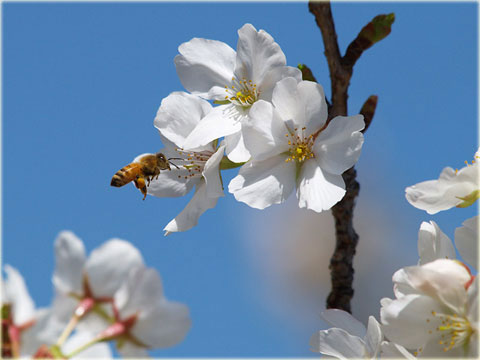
[{"x": 141, "y": 171}]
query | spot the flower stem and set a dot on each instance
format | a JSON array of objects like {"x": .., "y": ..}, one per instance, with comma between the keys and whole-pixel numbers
[
  {"x": 68, "y": 330},
  {"x": 83, "y": 347}
]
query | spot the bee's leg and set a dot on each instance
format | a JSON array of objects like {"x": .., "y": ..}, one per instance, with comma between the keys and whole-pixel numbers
[{"x": 140, "y": 184}]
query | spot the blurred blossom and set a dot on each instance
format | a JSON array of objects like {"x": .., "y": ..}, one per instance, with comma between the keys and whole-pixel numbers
[
  {"x": 96, "y": 351},
  {"x": 460, "y": 188},
  {"x": 144, "y": 319},
  {"x": 236, "y": 80},
  {"x": 435, "y": 312},
  {"x": 21, "y": 322}
]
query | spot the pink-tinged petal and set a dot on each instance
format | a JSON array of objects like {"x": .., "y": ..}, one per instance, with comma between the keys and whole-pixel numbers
[
  {"x": 189, "y": 216},
  {"x": 318, "y": 190},
  {"x": 205, "y": 66},
  {"x": 221, "y": 121},
  {"x": 260, "y": 184},
  {"x": 441, "y": 279},
  {"x": 374, "y": 337},
  {"x": 140, "y": 291},
  {"x": 275, "y": 75},
  {"x": 16, "y": 293},
  {"x": 411, "y": 312},
  {"x": 164, "y": 326},
  {"x": 265, "y": 133},
  {"x": 338, "y": 147},
  {"x": 129, "y": 350},
  {"x": 30, "y": 337},
  {"x": 69, "y": 262},
  {"x": 211, "y": 174},
  {"x": 303, "y": 102},
  {"x": 472, "y": 304},
  {"x": 466, "y": 241},
  {"x": 338, "y": 343},
  {"x": 442, "y": 194},
  {"x": 235, "y": 148},
  {"x": 257, "y": 54},
  {"x": 179, "y": 114},
  {"x": 433, "y": 244},
  {"x": 104, "y": 270},
  {"x": 343, "y": 320}
]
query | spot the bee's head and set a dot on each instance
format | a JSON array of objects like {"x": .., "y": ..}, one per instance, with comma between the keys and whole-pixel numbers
[{"x": 162, "y": 161}]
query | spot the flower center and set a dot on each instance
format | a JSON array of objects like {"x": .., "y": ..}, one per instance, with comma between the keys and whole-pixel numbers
[
  {"x": 242, "y": 92},
  {"x": 300, "y": 146},
  {"x": 454, "y": 330},
  {"x": 193, "y": 162}
]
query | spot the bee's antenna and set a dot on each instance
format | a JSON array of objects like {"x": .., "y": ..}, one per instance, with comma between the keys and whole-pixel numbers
[{"x": 173, "y": 163}]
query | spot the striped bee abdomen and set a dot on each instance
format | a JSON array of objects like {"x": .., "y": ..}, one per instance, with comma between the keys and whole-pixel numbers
[{"x": 126, "y": 174}]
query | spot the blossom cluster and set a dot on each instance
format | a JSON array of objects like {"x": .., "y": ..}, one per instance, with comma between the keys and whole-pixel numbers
[
  {"x": 264, "y": 118},
  {"x": 435, "y": 310},
  {"x": 97, "y": 299}
]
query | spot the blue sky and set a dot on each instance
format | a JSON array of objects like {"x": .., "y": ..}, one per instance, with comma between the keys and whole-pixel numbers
[{"x": 82, "y": 84}]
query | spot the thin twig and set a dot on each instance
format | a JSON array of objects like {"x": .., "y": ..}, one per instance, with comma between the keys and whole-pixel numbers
[{"x": 341, "y": 69}]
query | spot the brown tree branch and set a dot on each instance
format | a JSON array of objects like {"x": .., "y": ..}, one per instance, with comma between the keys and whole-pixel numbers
[{"x": 341, "y": 69}]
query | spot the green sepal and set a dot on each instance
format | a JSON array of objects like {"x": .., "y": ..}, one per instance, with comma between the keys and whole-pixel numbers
[
  {"x": 306, "y": 73},
  {"x": 469, "y": 199},
  {"x": 226, "y": 164},
  {"x": 221, "y": 102},
  {"x": 56, "y": 352},
  {"x": 377, "y": 29}
]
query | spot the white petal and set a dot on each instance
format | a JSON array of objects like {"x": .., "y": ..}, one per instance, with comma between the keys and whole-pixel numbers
[
  {"x": 219, "y": 122},
  {"x": 318, "y": 190},
  {"x": 374, "y": 337},
  {"x": 409, "y": 313},
  {"x": 211, "y": 174},
  {"x": 338, "y": 147},
  {"x": 433, "y": 244},
  {"x": 171, "y": 183},
  {"x": 392, "y": 350},
  {"x": 441, "y": 279},
  {"x": 466, "y": 241},
  {"x": 17, "y": 294},
  {"x": 141, "y": 291},
  {"x": 30, "y": 337},
  {"x": 104, "y": 270},
  {"x": 164, "y": 326},
  {"x": 343, "y": 320},
  {"x": 257, "y": 54},
  {"x": 205, "y": 65},
  {"x": 129, "y": 350},
  {"x": 338, "y": 343},
  {"x": 97, "y": 351},
  {"x": 263, "y": 183},
  {"x": 442, "y": 194},
  {"x": 235, "y": 148},
  {"x": 189, "y": 216},
  {"x": 303, "y": 102},
  {"x": 179, "y": 114},
  {"x": 275, "y": 75},
  {"x": 69, "y": 262},
  {"x": 265, "y": 133},
  {"x": 472, "y": 304}
]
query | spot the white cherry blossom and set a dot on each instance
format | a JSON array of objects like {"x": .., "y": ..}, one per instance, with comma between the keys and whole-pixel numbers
[
  {"x": 213, "y": 70},
  {"x": 435, "y": 312},
  {"x": 291, "y": 146},
  {"x": 176, "y": 118},
  {"x": 460, "y": 188},
  {"x": 466, "y": 241},
  {"x": 348, "y": 339}
]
